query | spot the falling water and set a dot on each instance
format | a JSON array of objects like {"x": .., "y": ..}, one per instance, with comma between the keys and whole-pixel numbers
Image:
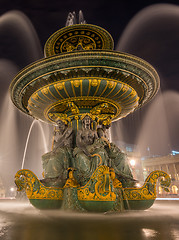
[
  {"x": 25, "y": 150},
  {"x": 23, "y": 47},
  {"x": 8, "y": 137},
  {"x": 15, "y": 26},
  {"x": 43, "y": 136},
  {"x": 154, "y": 131},
  {"x": 9, "y": 140},
  {"x": 153, "y": 35},
  {"x": 28, "y": 136}
]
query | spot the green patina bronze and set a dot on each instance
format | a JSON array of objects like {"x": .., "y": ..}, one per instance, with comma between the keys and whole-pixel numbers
[
  {"x": 80, "y": 87},
  {"x": 100, "y": 194},
  {"x": 46, "y": 204},
  {"x": 86, "y": 78}
]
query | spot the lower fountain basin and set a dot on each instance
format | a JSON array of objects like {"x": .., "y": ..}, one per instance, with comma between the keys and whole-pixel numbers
[{"x": 98, "y": 195}]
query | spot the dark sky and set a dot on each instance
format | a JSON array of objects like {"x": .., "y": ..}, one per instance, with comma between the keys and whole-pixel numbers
[{"x": 48, "y": 16}]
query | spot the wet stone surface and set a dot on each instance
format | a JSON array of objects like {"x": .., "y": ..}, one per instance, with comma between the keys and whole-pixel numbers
[{"x": 22, "y": 221}]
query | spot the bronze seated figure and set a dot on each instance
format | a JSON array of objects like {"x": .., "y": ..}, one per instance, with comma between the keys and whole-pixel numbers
[{"x": 92, "y": 150}]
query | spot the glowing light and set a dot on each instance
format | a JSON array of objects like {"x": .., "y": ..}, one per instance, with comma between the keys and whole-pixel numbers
[
  {"x": 149, "y": 233},
  {"x": 175, "y": 152},
  {"x": 132, "y": 162},
  {"x": 138, "y": 185},
  {"x": 12, "y": 189}
]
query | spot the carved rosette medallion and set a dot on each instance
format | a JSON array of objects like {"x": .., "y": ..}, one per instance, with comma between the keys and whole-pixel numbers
[{"x": 78, "y": 37}]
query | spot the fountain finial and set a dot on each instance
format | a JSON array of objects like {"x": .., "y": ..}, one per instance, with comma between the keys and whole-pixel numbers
[
  {"x": 72, "y": 19},
  {"x": 81, "y": 18}
]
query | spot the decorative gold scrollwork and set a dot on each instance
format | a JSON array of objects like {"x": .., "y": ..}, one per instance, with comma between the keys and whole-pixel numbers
[
  {"x": 25, "y": 179},
  {"x": 73, "y": 108},
  {"x": 87, "y": 114},
  {"x": 71, "y": 181},
  {"x": 99, "y": 187},
  {"x": 148, "y": 190},
  {"x": 103, "y": 108},
  {"x": 59, "y": 116}
]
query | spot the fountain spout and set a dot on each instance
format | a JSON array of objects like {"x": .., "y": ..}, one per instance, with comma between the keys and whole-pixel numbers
[{"x": 72, "y": 19}]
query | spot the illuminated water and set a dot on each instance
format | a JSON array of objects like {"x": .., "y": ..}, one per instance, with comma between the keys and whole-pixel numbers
[
  {"x": 153, "y": 35},
  {"x": 23, "y": 222},
  {"x": 28, "y": 136},
  {"x": 16, "y": 24},
  {"x": 14, "y": 125},
  {"x": 159, "y": 130}
]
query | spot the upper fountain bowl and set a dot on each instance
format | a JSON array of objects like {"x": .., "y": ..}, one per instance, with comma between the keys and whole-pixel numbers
[
  {"x": 78, "y": 37},
  {"x": 82, "y": 74}
]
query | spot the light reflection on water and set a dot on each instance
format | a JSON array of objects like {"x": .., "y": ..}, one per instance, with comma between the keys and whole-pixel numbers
[
  {"x": 149, "y": 233},
  {"x": 24, "y": 222}
]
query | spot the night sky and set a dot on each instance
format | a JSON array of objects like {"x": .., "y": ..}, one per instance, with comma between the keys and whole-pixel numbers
[{"x": 48, "y": 16}]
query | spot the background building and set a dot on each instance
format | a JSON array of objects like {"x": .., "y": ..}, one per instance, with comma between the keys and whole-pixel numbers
[
  {"x": 168, "y": 164},
  {"x": 142, "y": 166},
  {"x": 2, "y": 189}
]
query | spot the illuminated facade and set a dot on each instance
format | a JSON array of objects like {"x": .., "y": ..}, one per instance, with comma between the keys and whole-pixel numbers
[
  {"x": 2, "y": 190},
  {"x": 169, "y": 164}
]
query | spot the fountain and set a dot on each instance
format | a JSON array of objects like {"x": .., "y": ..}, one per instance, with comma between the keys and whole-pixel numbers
[{"x": 81, "y": 86}]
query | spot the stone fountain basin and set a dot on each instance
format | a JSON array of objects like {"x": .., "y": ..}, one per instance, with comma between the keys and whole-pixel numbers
[{"x": 100, "y": 194}]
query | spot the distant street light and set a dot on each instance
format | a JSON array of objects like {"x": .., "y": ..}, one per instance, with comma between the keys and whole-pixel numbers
[
  {"x": 12, "y": 189},
  {"x": 132, "y": 162},
  {"x": 138, "y": 185}
]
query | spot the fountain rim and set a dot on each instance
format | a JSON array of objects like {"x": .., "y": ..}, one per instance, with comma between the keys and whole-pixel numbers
[
  {"x": 118, "y": 56},
  {"x": 63, "y": 55}
]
